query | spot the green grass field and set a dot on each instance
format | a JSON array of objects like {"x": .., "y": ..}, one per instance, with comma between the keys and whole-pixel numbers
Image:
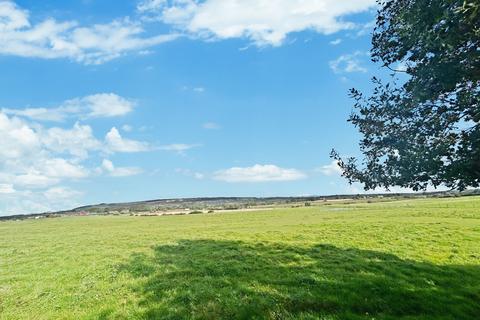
[{"x": 416, "y": 259}]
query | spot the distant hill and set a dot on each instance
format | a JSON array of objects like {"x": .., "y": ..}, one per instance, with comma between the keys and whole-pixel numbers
[{"x": 197, "y": 205}]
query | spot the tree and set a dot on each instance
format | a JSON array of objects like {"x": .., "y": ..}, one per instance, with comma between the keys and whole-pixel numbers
[{"x": 425, "y": 130}]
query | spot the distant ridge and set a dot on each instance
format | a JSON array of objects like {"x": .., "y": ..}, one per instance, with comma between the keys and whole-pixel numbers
[{"x": 226, "y": 203}]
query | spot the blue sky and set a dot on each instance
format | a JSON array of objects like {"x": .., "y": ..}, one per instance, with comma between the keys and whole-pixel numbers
[{"x": 112, "y": 101}]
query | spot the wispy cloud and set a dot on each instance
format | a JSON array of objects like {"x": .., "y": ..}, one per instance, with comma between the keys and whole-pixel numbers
[
  {"x": 211, "y": 126},
  {"x": 179, "y": 148},
  {"x": 112, "y": 170},
  {"x": 336, "y": 42},
  {"x": 348, "y": 63},
  {"x": 194, "y": 89},
  {"x": 102, "y": 105},
  {"x": 127, "y": 128},
  {"x": 330, "y": 169},
  {"x": 199, "y": 89},
  {"x": 190, "y": 173},
  {"x": 258, "y": 173}
]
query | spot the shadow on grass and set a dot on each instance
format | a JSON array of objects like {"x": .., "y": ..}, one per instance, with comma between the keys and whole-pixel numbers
[{"x": 205, "y": 279}]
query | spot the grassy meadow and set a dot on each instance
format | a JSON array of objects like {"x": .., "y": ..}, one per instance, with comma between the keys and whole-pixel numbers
[{"x": 408, "y": 259}]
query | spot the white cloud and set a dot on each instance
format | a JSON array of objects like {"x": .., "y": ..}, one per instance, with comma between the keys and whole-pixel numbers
[
  {"x": 330, "y": 169},
  {"x": 41, "y": 114},
  {"x": 17, "y": 138},
  {"x": 77, "y": 141},
  {"x": 36, "y": 201},
  {"x": 108, "y": 166},
  {"x": 50, "y": 39},
  {"x": 178, "y": 147},
  {"x": 45, "y": 171},
  {"x": 61, "y": 194},
  {"x": 148, "y": 5},
  {"x": 34, "y": 179},
  {"x": 61, "y": 168},
  {"x": 116, "y": 143},
  {"x": 102, "y": 105},
  {"x": 26, "y": 157},
  {"x": 211, "y": 126},
  {"x": 127, "y": 128},
  {"x": 35, "y": 160},
  {"x": 348, "y": 63},
  {"x": 265, "y": 22},
  {"x": 198, "y": 175},
  {"x": 336, "y": 42},
  {"x": 258, "y": 173},
  {"x": 193, "y": 89}
]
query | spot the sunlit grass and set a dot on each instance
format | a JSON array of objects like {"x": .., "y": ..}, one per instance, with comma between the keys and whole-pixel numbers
[{"x": 417, "y": 259}]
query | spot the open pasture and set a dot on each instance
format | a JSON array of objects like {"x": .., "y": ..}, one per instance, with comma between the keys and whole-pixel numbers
[{"x": 409, "y": 259}]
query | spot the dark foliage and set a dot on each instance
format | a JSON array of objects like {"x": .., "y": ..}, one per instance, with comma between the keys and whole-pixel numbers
[{"x": 426, "y": 130}]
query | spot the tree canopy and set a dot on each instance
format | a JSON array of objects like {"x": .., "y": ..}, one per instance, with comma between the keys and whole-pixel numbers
[{"x": 425, "y": 130}]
